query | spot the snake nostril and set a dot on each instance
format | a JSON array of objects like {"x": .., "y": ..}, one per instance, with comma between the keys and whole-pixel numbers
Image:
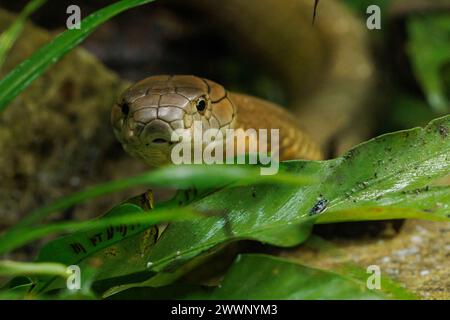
[{"x": 125, "y": 108}]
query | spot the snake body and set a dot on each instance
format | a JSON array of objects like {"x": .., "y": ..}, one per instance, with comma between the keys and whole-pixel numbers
[{"x": 325, "y": 69}]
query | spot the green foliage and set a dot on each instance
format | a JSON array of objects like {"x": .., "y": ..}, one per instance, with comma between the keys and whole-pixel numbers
[
  {"x": 410, "y": 111},
  {"x": 429, "y": 203},
  {"x": 360, "y": 6},
  {"x": 267, "y": 277},
  {"x": 14, "y": 268},
  {"x": 19, "y": 78},
  {"x": 197, "y": 176},
  {"x": 118, "y": 249},
  {"x": 271, "y": 278},
  {"x": 21, "y": 236},
  {"x": 388, "y": 177},
  {"x": 8, "y": 37},
  {"x": 362, "y": 185},
  {"x": 429, "y": 49}
]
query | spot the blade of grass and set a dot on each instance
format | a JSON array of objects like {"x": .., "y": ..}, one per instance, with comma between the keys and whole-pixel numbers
[
  {"x": 18, "y": 238},
  {"x": 9, "y": 37},
  {"x": 18, "y": 79},
  {"x": 172, "y": 176},
  {"x": 13, "y": 268}
]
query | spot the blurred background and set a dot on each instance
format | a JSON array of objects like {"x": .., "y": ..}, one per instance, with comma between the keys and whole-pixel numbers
[{"x": 411, "y": 49}]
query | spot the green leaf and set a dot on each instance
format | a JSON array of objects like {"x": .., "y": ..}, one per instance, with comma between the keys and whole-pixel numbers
[
  {"x": 426, "y": 203},
  {"x": 9, "y": 36},
  {"x": 268, "y": 277},
  {"x": 374, "y": 172},
  {"x": 262, "y": 277},
  {"x": 352, "y": 270},
  {"x": 112, "y": 251},
  {"x": 78, "y": 245},
  {"x": 429, "y": 50},
  {"x": 16, "y": 293},
  {"x": 393, "y": 289},
  {"x": 19, "y": 78},
  {"x": 409, "y": 111}
]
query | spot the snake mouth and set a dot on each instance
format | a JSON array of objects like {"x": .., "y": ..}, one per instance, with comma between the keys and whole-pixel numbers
[
  {"x": 160, "y": 141},
  {"x": 157, "y": 133}
]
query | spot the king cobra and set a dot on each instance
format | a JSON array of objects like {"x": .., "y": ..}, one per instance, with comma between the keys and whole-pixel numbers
[{"x": 325, "y": 69}]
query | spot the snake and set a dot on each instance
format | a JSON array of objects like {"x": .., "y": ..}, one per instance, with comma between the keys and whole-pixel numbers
[
  {"x": 148, "y": 113},
  {"x": 325, "y": 68}
]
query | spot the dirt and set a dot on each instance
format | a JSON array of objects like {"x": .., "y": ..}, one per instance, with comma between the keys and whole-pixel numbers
[{"x": 417, "y": 256}]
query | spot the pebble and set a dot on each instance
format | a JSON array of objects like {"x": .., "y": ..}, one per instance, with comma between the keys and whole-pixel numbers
[
  {"x": 421, "y": 229},
  {"x": 75, "y": 181},
  {"x": 392, "y": 271},
  {"x": 416, "y": 239},
  {"x": 424, "y": 273},
  {"x": 406, "y": 252}
]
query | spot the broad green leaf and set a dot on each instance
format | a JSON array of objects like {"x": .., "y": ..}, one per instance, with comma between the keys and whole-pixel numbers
[
  {"x": 113, "y": 250},
  {"x": 393, "y": 289},
  {"x": 17, "y": 293},
  {"x": 19, "y": 78},
  {"x": 9, "y": 36},
  {"x": 262, "y": 277},
  {"x": 268, "y": 277},
  {"x": 374, "y": 172},
  {"x": 78, "y": 245},
  {"x": 156, "y": 280},
  {"x": 429, "y": 50}
]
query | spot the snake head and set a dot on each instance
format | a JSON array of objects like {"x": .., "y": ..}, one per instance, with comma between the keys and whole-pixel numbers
[{"x": 147, "y": 113}]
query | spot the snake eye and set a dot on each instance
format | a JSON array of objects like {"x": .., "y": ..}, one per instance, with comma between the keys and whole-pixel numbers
[
  {"x": 125, "y": 108},
  {"x": 201, "y": 104}
]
